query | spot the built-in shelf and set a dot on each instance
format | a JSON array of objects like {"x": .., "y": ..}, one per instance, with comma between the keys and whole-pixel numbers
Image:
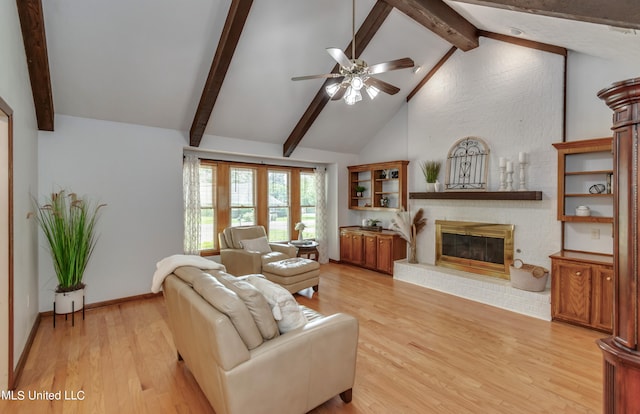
[{"x": 478, "y": 195}]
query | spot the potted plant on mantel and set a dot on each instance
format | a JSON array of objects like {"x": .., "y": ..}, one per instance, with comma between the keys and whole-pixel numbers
[
  {"x": 430, "y": 169},
  {"x": 68, "y": 223}
]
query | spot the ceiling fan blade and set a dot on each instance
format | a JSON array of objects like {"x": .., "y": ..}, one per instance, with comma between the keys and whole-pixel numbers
[
  {"x": 391, "y": 65},
  {"x": 382, "y": 85},
  {"x": 339, "y": 56},
  {"x": 324, "y": 75}
]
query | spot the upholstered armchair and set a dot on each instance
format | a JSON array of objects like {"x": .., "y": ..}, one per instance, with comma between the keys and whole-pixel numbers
[{"x": 245, "y": 249}]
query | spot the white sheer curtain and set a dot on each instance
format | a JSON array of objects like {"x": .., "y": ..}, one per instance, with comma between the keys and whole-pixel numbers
[
  {"x": 191, "y": 197},
  {"x": 321, "y": 214}
]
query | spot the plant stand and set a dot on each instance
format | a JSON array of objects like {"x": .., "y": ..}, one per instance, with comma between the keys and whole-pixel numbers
[{"x": 73, "y": 313}]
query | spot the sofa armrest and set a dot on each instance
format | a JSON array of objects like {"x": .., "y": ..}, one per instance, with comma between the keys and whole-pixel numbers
[
  {"x": 313, "y": 363},
  {"x": 288, "y": 249},
  {"x": 241, "y": 262}
]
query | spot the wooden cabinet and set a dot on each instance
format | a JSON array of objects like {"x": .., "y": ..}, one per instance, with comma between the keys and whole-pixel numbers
[
  {"x": 351, "y": 247},
  {"x": 385, "y": 186},
  {"x": 582, "y": 289},
  {"x": 373, "y": 250},
  {"x": 602, "y": 306},
  {"x": 621, "y": 351},
  {"x": 585, "y": 171},
  {"x": 370, "y": 251}
]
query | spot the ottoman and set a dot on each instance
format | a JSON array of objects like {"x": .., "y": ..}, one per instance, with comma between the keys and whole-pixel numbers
[{"x": 293, "y": 274}]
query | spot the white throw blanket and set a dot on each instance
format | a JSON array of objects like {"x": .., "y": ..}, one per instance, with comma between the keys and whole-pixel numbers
[{"x": 167, "y": 265}]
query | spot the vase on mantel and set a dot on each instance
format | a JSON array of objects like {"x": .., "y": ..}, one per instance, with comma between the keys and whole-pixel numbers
[
  {"x": 431, "y": 187},
  {"x": 413, "y": 257}
]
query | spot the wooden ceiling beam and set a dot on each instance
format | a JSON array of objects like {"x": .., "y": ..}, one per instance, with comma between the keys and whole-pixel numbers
[
  {"x": 531, "y": 44},
  {"x": 365, "y": 33},
  {"x": 35, "y": 47},
  {"x": 442, "y": 20},
  {"x": 619, "y": 13},
  {"x": 432, "y": 72},
  {"x": 233, "y": 26}
]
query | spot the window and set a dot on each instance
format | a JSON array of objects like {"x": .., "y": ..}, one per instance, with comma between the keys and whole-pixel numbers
[
  {"x": 308, "y": 204},
  {"x": 207, "y": 207},
  {"x": 243, "y": 191},
  {"x": 242, "y": 194},
  {"x": 279, "y": 208}
]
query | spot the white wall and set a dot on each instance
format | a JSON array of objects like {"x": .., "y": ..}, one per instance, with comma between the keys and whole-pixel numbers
[
  {"x": 511, "y": 97},
  {"x": 15, "y": 89},
  {"x": 587, "y": 115},
  {"x": 137, "y": 172}
]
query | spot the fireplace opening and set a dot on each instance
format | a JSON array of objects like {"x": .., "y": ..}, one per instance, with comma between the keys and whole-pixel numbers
[{"x": 483, "y": 248}]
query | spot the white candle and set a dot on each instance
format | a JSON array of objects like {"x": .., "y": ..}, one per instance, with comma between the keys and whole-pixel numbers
[
  {"x": 522, "y": 157},
  {"x": 509, "y": 166},
  {"x": 503, "y": 162}
]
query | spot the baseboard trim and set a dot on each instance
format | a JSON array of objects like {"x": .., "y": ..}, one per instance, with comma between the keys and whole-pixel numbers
[
  {"x": 112, "y": 302},
  {"x": 25, "y": 353}
]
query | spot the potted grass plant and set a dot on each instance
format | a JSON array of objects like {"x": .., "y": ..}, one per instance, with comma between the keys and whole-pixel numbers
[
  {"x": 430, "y": 169},
  {"x": 359, "y": 190},
  {"x": 68, "y": 223}
]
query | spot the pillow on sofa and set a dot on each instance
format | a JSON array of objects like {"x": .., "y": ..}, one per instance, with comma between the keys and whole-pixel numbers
[
  {"x": 261, "y": 245},
  {"x": 228, "y": 302},
  {"x": 256, "y": 303},
  {"x": 286, "y": 310}
]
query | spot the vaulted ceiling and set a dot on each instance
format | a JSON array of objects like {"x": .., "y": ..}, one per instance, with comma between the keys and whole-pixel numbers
[{"x": 224, "y": 67}]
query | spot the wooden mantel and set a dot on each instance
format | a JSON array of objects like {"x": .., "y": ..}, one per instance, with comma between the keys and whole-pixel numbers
[{"x": 478, "y": 195}]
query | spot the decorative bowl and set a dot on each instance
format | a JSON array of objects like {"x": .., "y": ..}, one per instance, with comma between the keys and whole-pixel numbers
[{"x": 583, "y": 211}]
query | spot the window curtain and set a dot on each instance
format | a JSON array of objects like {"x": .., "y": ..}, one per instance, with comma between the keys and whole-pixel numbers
[
  {"x": 191, "y": 197},
  {"x": 321, "y": 214}
]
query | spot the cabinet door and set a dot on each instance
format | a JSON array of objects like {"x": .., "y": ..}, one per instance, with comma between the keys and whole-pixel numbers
[
  {"x": 357, "y": 248},
  {"x": 602, "y": 298},
  {"x": 571, "y": 292},
  {"x": 370, "y": 251},
  {"x": 385, "y": 254},
  {"x": 345, "y": 246}
]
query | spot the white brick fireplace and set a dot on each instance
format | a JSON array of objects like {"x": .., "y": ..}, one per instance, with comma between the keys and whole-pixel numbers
[{"x": 536, "y": 236}]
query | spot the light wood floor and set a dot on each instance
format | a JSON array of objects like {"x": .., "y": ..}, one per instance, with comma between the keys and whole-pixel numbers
[{"x": 420, "y": 351}]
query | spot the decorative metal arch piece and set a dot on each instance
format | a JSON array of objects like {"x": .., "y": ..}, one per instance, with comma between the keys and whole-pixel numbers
[{"x": 467, "y": 164}]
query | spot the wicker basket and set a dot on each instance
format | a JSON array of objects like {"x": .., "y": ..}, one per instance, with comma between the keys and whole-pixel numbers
[{"x": 528, "y": 277}]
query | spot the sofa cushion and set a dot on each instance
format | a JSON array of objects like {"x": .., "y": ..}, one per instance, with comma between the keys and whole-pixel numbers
[
  {"x": 243, "y": 233},
  {"x": 229, "y": 303},
  {"x": 273, "y": 257},
  {"x": 190, "y": 273},
  {"x": 256, "y": 303},
  {"x": 291, "y": 267},
  {"x": 260, "y": 245},
  {"x": 286, "y": 310}
]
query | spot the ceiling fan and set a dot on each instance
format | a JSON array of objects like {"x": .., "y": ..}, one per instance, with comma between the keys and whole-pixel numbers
[{"x": 355, "y": 74}]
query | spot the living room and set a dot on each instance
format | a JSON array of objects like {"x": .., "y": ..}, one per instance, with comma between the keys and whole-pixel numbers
[{"x": 517, "y": 99}]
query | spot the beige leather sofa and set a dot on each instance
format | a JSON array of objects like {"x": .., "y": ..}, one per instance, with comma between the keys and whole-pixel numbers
[
  {"x": 291, "y": 373},
  {"x": 239, "y": 261}
]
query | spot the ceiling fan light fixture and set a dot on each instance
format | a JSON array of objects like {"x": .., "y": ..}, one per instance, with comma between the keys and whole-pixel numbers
[
  {"x": 372, "y": 91},
  {"x": 332, "y": 89},
  {"x": 357, "y": 83},
  {"x": 352, "y": 96}
]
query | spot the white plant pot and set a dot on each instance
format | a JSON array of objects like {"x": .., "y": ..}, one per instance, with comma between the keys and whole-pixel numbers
[
  {"x": 431, "y": 187},
  {"x": 67, "y": 302}
]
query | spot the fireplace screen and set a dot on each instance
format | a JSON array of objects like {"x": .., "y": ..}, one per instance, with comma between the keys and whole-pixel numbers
[{"x": 482, "y": 248}]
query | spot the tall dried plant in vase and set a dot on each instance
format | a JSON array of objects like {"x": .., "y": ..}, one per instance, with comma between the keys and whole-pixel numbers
[{"x": 409, "y": 229}]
